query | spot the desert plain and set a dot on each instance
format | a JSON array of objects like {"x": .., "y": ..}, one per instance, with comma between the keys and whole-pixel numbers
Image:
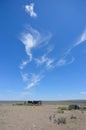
[{"x": 44, "y": 117}]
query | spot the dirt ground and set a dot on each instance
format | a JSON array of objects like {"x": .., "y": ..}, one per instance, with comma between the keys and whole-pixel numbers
[{"x": 45, "y": 117}]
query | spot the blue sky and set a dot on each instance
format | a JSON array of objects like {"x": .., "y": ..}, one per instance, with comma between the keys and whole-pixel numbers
[{"x": 42, "y": 50}]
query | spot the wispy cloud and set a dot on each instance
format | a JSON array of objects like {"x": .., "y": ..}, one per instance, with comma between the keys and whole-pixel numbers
[
  {"x": 25, "y": 77},
  {"x": 30, "y": 10},
  {"x": 61, "y": 62},
  {"x": 23, "y": 64},
  {"x": 64, "y": 61},
  {"x": 32, "y": 39},
  {"x": 34, "y": 81},
  {"x": 71, "y": 61},
  {"x": 81, "y": 39},
  {"x": 50, "y": 48},
  {"x": 31, "y": 80},
  {"x": 48, "y": 62}
]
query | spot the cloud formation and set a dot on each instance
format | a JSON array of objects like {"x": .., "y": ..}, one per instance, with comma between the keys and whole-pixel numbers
[
  {"x": 48, "y": 62},
  {"x": 31, "y": 80},
  {"x": 34, "y": 80},
  {"x": 23, "y": 64},
  {"x": 61, "y": 62},
  {"x": 81, "y": 39},
  {"x": 64, "y": 61},
  {"x": 25, "y": 77},
  {"x": 32, "y": 39},
  {"x": 30, "y": 10}
]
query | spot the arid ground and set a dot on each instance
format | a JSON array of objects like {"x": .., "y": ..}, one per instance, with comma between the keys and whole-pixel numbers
[{"x": 45, "y": 117}]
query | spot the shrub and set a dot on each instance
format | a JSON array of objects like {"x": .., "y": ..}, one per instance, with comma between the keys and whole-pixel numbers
[
  {"x": 60, "y": 111},
  {"x": 61, "y": 120},
  {"x": 73, "y": 117},
  {"x": 73, "y": 107},
  {"x": 50, "y": 117},
  {"x": 84, "y": 107},
  {"x": 63, "y": 108},
  {"x": 53, "y": 115}
]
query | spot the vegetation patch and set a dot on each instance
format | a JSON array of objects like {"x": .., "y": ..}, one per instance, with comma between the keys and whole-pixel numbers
[
  {"x": 84, "y": 107},
  {"x": 61, "y": 120},
  {"x": 74, "y": 107},
  {"x": 62, "y": 109},
  {"x": 73, "y": 117}
]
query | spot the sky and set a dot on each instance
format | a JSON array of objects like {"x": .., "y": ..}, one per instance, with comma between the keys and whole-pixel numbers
[{"x": 42, "y": 49}]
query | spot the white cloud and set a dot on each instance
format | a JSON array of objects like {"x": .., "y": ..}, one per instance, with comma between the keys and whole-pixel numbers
[
  {"x": 41, "y": 60},
  {"x": 25, "y": 77},
  {"x": 81, "y": 39},
  {"x": 49, "y": 63},
  {"x": 61, "y": 62},
  {"x": 34, "y": 81},
  {"x": 50, "y": 48},
  {"x": 31, "y": 79},
  {"x": 71, "y": 61},
  {"x": 45, "y": 60},
  {"x": 30, "y": 10},
  {"x": 32, "y": 39},
  {"x": 23, "y": 64},
  {"x": 64, "y": 61}
]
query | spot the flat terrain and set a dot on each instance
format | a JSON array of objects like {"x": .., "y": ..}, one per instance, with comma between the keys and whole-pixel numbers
[{"x": 45, "y": 117}]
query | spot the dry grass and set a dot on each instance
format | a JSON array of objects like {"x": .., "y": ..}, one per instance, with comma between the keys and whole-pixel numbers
[{"x": 45, "y": 117}]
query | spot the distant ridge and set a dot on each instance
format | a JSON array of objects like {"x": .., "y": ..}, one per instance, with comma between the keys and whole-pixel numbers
[
  {"x": 65, "y": 102},
  {"x": 50, "y": 102}
]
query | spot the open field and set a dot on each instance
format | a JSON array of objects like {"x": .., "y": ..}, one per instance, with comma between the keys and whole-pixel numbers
[
  {"x": 61, "y": 102},
  {"x": 45, "y": 117},
  {"x": 66, "y": 102}
]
